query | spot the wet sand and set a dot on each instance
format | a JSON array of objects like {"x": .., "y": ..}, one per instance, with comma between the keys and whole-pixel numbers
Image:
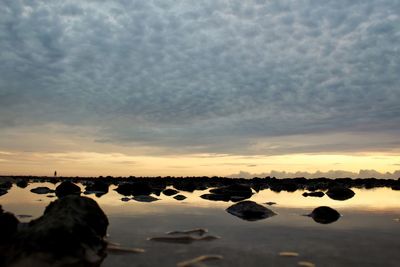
[{"x": 367, "y": 233}]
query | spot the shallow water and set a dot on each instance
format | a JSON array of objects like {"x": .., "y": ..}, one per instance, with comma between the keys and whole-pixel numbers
[{"x": 367, "y": 234}]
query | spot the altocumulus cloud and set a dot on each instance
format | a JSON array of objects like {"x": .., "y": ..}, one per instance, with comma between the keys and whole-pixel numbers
[{"x": 205, "y": 76}]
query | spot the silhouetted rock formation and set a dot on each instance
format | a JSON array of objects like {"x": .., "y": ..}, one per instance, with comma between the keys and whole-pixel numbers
[
  {"x": 180, "y": 197},
  {"x": 170, "y": 192},
  {"x": 234, "y": 192},
  {"x": 314, "y": 194},
  {"x": 134, "y": 189},
  {"x": 22, "y": 183},
  {"x": 340, "y": 193},
  {"x": 67, "y": 188},
  {"x": 250, "y": 211},
  {"x": 324, "y": 215},
  {"x": 70, "y": 233},
  {"x": 41, "y": 190},
  {"x": 97, "y": 187}
]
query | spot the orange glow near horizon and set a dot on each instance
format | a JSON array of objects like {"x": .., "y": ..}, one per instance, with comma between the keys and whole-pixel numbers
[{"x": 119, "y": 164}]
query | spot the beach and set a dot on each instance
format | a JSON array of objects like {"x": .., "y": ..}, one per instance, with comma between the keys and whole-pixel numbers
[{"x": 366, "y": 234}]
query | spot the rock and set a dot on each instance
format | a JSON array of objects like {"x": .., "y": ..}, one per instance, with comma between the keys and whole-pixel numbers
[
  {"x": 270, "y": 203},
  {"x": 340, "y": 193},
  {"x": 215, "y": 197},
  {"x": 22, "y": 183},
  {"x": 98, "y": 187},
  {"x": 3, "y": 191},
  {"x": 125, "y": 199},
  {"x": 314, "y": 194},
  {"x": 67, "y": 188},
  {"x": 324, "y": 215},
  {"x": 234, "y": 192},
  {"x": 8, "y": 227},
  {"x": 135, "y": 189},
  {"x": 170, "y": 192},
  {"x": 179, "y": 197},
  {"x": 41, "y": 190},
  {"x": 145, "y": 198},
  {"x": 197, "y": 231},
  {"x": 5, "y": 185},
  {"x": 250, "y": 211},
  {"x": 71, "y": 231}
]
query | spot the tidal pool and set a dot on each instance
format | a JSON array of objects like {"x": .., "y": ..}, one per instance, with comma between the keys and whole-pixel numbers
[{"x": 366, "y": 234}]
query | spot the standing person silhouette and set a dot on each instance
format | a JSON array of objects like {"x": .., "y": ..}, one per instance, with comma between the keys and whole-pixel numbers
[{"x": 55, "y": 173}]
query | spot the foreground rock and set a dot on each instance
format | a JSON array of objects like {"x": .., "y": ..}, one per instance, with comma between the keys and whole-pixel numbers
[
  {"x": 324, "y": 215},
  {"x": 340, "y": 193},
  {"x": 70, "y": 233},
  {"x": 250, "y": 211}
]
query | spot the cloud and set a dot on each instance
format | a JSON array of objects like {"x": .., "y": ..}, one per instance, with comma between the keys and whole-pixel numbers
[
  {"x": 318, "y": 174},
  {"x": 210, "y": 76}
]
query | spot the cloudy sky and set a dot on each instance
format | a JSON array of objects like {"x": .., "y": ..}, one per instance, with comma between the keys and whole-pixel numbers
[{"x": 174, "y": 87}]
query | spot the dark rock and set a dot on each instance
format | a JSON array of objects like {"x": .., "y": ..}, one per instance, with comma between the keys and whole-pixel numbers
[
  {"x": 98, "y": 187},
  {"x": 314, "y": 194},
  {"x": 179, "y": 197},
  {"x": 42, "y": 190},
  {"x": 145, "y": 198},
  {"x": 234, "y": 192},
  {"x": 3, "y": 191},
  {"x": 340, "y": 193},
  {"x": 215, "y": 197},
  {"x": 324, "y": 215},
  {"x": 170, "y": 192},
  {"x": 6, "y": 185},
  {"x": 8, "y": 226},
  {"x": 22, "y": 183},
  {"x": 72, "y": 229},
  {"x": 250, "y": 211},
  {"x": 135, "y": 189},
  {"x": 67, "y": 188}
]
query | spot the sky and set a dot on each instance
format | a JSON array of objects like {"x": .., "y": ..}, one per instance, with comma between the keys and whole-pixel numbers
[{"x": 210, "y": 87}]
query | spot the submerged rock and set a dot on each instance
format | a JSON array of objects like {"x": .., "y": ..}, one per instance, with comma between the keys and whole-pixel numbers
[
  {"x": 324, "y": 215},
  {"x": 234, "y": 192},
  {"x": 314, "y": 194},
  {"x": 340, "y": 193},
  {"x": 250, "y": 211},
  {"x": 70, "y": 232},
  {"x": 41, "y": 190},
  {"x": 170, "y": 192},
  {"x": 145, "y": 198},
  {"x": 67, "y": 188},
  {"x": 197, "y": 231},
  {"x": 180, "y": 197}
]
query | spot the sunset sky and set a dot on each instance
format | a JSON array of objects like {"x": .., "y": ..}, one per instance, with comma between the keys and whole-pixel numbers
[{"x": 212, "y": 87}]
